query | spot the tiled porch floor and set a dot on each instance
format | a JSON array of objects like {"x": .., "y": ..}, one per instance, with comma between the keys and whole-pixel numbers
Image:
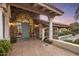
[{"x": 37, "y": 48}]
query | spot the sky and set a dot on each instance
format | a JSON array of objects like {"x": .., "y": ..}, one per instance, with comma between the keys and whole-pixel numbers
[{"x": 69, "y": 12}]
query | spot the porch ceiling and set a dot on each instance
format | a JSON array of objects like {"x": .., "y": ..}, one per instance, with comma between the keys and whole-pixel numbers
[{"x": 37, "y": 8}]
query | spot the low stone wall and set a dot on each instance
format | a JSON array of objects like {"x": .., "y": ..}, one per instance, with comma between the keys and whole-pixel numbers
[
  {"x": 69, "y": 46},
  {"x": 66, "y": 37}
]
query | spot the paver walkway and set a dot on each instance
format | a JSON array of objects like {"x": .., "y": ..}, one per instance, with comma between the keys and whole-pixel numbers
[{"x": 37, "y": 48}]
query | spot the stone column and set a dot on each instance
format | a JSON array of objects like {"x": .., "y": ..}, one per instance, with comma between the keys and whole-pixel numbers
[
  {"x": 43, "y": 34},
  {"x": 40, "y": 31},
  {"x": 50, "y": 29},
  {"x": 1, "y": 23},
  {"x": 7, "y": 18}
]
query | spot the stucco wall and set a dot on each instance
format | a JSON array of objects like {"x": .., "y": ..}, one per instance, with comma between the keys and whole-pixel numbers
[
  {"x": 7, "y": 27},
  {"x": 1, "y": 24}
]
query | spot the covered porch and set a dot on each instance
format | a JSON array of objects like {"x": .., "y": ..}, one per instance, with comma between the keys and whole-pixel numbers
[
  {"x": 26, "y": 18},
  {"x": 31, "y": 12},
  {"x": 37, "y": 48}
]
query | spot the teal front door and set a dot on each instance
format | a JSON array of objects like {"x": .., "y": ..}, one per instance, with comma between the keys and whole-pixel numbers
[{"x": 25, "y": 31}]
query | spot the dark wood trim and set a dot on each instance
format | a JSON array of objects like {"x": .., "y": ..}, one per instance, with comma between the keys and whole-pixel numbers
[{"x": 3, "y": 25}]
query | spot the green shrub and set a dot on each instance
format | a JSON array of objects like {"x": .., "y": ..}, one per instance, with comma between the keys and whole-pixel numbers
[
  {"x": 64, "y": 32},
  {"x": 5, "y": 44},
  {"x": 2, "y": 51},
  {"x": 74, "y": 28},
  {"x": 76, "y": 41},
  {"x": 68, "y": 41}
]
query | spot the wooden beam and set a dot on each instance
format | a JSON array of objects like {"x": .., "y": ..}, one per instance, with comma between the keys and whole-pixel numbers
[
  {"x": 29, "y": 8},
  {"x": 35, "y": 5},
  {"x": 35, "y": 9},
  {"x": 52, "y": 9},
  {"x": 43, "y": 9}
]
